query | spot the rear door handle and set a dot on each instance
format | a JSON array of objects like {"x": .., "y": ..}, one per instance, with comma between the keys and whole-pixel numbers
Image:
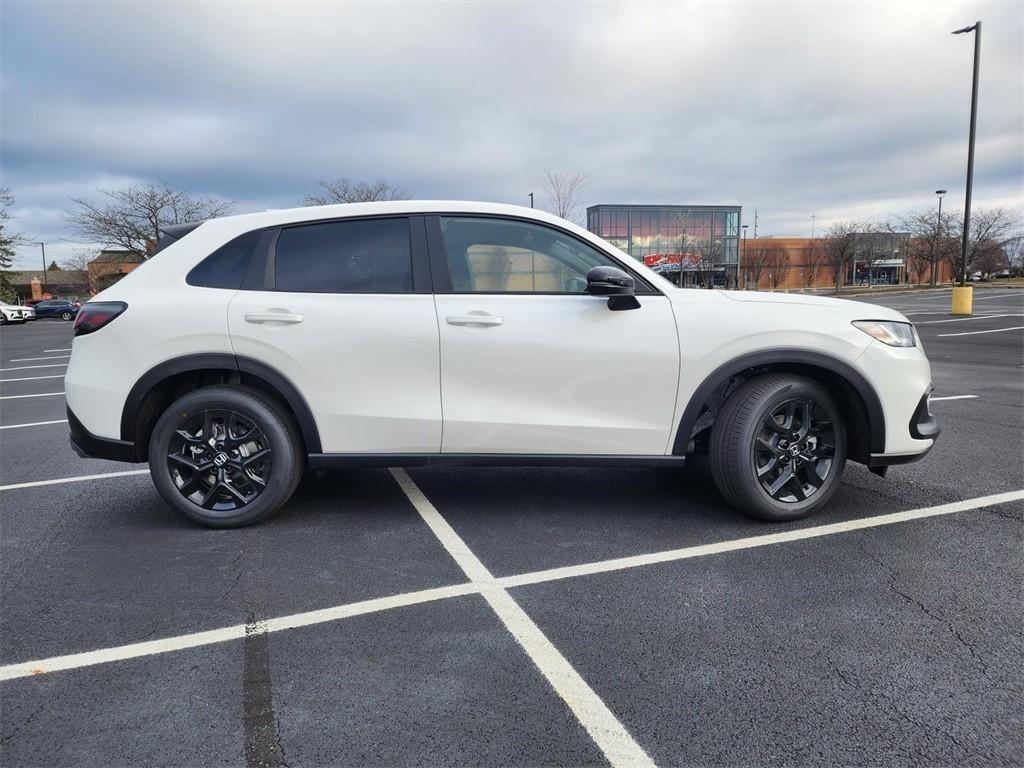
[
  {"x": 474, "y": 320},
  {"x": 273, "y": 316}
]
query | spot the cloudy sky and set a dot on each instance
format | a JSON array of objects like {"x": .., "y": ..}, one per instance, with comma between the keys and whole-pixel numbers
[{"x": 838, "y": 109}]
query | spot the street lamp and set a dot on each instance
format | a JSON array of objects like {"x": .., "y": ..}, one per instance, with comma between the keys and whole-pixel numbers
[
  {"x": 43, "y": 246},
  {"x": 976, "y": 29},
  {"x": 938, "y": 236}
]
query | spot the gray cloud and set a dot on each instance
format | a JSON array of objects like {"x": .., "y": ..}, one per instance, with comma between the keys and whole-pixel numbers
[{"x": 842, "y": 110}]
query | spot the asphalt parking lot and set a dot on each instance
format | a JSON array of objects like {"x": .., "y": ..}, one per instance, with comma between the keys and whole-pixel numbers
[{"x": 494, "y": 617}]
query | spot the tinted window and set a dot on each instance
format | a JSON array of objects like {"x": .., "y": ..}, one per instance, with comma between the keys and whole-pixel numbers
[
  {"x": 501, "y": 256},
  {"x": 367, "y": 256},
  {"x": 226, "y": 267}
]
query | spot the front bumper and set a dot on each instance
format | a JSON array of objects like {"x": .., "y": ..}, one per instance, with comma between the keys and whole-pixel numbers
[
  {"x": 923, "y": 426},
  {"x": 89, "y": 446}
]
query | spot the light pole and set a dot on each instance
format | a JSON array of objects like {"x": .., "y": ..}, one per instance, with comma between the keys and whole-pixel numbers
[
  {"x": 938, "y": 236},
  {"x": 812, "y": 226},
  {"x": 976, "y": 29},
  {"x": 43, "y": 246},
  {"x": 531, "y": 199},
  {"x": 744, "y": 254}
]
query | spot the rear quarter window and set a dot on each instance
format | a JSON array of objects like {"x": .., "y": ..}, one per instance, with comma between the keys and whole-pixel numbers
[{"x": 226, "y": 267}]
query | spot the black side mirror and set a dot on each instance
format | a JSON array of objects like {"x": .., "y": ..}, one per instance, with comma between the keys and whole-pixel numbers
[{"x": 615, "y": 284}]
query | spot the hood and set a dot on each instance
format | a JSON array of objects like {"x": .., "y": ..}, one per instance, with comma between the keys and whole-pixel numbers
[{"x": 855, "y": 310}]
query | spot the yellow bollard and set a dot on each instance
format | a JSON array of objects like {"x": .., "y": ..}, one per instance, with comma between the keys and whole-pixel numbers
[{"x": 963, "y": 299}]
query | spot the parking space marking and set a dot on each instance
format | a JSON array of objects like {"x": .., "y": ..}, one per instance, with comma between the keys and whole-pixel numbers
[
  {"x": 604, "y": 728},
  {"x": 966, "y": 319},
  {"x": 375, "y": 605},
  {"x": 33, "y": 359},
  {"x": 68, "y": 349},
  {"x": 952, "y": 397},
  {"x": 35, "y": 424},
  {"x": 812, "y": 532},
  {"x": 235, "y": 632},
  {"x": 77, "y": 479},
  {"x": 976, "y": 333},
  {"x": 41, "y": 394},
  {"x": 34, "y": 378},
  {"x": 26, "y": 368}
]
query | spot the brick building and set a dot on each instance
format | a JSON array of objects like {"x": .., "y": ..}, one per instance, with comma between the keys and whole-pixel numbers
[{"x": 110, "y": 266}]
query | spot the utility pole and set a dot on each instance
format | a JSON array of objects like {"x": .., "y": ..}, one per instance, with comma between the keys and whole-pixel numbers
[
  {"x": 744, "y": 256},
  {"x": 755, "y": 223},
  {"x": 938, "y": 239},
  {"x": 812, "y": 226}
]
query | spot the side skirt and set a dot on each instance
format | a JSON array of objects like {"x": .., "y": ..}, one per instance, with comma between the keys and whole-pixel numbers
[{"x": 338, "y": 460}]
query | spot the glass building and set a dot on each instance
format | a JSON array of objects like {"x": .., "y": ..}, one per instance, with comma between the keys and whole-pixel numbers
[{"x": 691, "y": 245}]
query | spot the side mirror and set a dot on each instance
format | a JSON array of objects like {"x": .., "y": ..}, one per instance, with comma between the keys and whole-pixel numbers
[{"x": 615, "y": 284}]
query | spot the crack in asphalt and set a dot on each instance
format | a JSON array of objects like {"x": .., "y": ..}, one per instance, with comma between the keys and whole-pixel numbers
[{"x": 894, "y": 587}]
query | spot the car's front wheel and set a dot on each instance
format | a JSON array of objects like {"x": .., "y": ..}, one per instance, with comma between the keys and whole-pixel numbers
[
  {"x": 225, "y": 456},
  {"x": 778, "y": 447}
]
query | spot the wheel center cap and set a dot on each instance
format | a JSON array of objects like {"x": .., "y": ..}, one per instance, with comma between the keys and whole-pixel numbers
[
  {"x": 220, "y": 459},
  {"x": 794, "y": 450}
]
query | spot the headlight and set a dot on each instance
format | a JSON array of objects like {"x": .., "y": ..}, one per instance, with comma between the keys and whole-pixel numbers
[{"x": 888, "y": 332}]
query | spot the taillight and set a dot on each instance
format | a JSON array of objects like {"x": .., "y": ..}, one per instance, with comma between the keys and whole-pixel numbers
[{"x": 94, "y": 315}]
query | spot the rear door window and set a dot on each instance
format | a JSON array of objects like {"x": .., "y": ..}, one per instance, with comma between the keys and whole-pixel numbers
[{"x": 361, "y": 256}]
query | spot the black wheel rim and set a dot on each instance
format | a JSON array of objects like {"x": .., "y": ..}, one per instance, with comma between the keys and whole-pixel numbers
[
  {"x": 794, "y": 450},
  {"x": 220, "y": 460}
]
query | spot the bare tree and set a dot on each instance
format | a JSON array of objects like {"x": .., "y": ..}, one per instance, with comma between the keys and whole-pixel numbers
[
  {"x": 755, "y": 261},
  {"x": 777, "y": 264},
  {"x": 79, "y": 260},
  {"x": 919, "y": 259},
  {"x": 133, "y": 217},
  {"x": 1015, "y": 256},
  {"x": 9, "y": 241},
  {"x": 838, "y": 249},
  {"x": 932, "y": 238},
  {"x": 813, "y": 261},
  {"x": 709, "y": 254},
  {"x": 347, "y": 191},
  {"x": 564, "y": 191},
  {"x": 991, "y": 230}
]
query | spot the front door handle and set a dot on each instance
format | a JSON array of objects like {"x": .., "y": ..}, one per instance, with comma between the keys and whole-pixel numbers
[
  {"x": 474, "y": 320},
  {"x": 273, "y": 316}
]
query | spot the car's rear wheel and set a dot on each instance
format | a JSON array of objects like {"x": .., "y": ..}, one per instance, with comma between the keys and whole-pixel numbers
[
  {"x": 225, "y": 456},
  {"x": 778, "y": 447},
  {"x": 67, "y": 316}
]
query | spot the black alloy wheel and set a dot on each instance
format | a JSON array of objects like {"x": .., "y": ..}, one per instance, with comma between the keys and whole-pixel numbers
[
  {"x": 219, "y": 460},
  {"x": 226, "y": 455},
  {"x": 794, "y": 450}
]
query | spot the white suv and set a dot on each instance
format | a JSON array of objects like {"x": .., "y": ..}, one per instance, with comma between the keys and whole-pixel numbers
[{"x": 430, "y": 333}]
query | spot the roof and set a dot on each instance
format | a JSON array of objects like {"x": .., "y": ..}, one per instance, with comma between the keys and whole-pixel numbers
[
  {"x": 118, "y": 256},
  {"x": 71, "y": 278}
]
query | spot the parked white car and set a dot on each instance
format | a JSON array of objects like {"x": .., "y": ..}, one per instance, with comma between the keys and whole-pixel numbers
[
  {"x": 428, "y": 333},
  {"x": 15, "y": 313}
]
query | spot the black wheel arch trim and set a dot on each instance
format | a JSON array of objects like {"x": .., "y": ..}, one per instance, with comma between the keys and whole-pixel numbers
[
  {"x": 783, "y": 356},
  {"x": 214, "y": 360}
]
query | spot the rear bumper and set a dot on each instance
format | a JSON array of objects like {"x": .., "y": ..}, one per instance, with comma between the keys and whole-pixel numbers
[{"x": 88, "y": 446}]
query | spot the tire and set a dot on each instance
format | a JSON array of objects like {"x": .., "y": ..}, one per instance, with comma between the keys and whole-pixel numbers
[
  {"x": 235, "y": 482},
  {"x": 744, "y": 442},
  {"x": 67, "y": 316}
]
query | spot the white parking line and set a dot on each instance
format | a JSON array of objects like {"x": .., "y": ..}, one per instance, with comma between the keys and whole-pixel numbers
[
  {"x": 41, "y": 394},
  {"x": 26, "y": 367},
  {"x": 952, "y": 397},
  {"x": 68, "y": 349},
  {"x": 33, "y": 359},
  {"x": 977, "y": 333},
  {"x": 324, "y": 615},
  {"x": 604, "y": 728},
  {"x": 77, "y": 479},
  {"x": 35, "y": 424},
  {"x": 34, "y": 378},
  {"x": 966, "y": 319}
]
